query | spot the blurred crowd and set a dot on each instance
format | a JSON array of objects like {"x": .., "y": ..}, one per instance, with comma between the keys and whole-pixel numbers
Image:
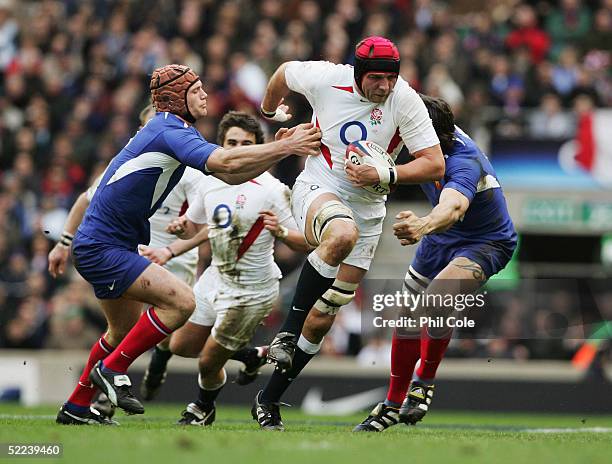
[{"x": 74, "y": 75}]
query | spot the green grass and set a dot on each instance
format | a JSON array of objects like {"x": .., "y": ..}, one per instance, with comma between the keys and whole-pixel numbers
[{"x": 234, "y": 438}]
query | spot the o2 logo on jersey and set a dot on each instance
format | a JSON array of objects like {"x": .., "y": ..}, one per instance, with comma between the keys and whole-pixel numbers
[
  {"x": 222, "y": 215},
  {"x": 353, "y": 132}
]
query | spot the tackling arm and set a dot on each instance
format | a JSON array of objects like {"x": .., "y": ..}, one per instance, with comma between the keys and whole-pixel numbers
[
  {"x": 451, "y": 207},
  {"x": 247, "y": 162}
]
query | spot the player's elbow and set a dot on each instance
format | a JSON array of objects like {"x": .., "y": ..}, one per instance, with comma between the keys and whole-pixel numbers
[
  {"x": 439, "y": 170},
  {"x": 437, "y": 163},
  {"x": 437, "y": 167}
]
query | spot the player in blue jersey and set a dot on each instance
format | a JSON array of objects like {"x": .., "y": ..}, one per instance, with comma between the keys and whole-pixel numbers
[
  {"x": 137, "y": 181},
  {"x": 466, "y": 238}
]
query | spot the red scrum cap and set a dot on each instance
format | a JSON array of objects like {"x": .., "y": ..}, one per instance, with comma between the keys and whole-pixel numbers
[
  {"x": 169, "y": 86},
  {"x": 375, "y": 54}
]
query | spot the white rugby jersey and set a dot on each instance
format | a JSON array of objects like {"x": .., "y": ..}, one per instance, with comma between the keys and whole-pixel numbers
[
  {"x": 175, "y": 204},
  {"x": 344, "y": 116},
  {"x": 232, "y": 215}
]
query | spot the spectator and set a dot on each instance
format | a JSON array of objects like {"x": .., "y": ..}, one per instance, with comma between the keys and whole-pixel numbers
[
  {"x": 528, "y": 34},
  {"x": 550, "y": 121},
  {"x": 569, "y": 24}
]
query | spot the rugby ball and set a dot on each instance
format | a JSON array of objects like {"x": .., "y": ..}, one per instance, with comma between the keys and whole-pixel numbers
[{"x": 372, "y": 154}]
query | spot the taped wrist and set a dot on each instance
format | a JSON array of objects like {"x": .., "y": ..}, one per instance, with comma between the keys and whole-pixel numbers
[
  {"x": 66, "y": 239},
  {"x": 267, "y": 114}
]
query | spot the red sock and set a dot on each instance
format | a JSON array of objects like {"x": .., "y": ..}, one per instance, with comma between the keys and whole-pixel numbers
[
  {"x": 405, "y": 353},
  {"x": 147, "y": 333},
  {"x": 85, "y": 390},
  {"x": 432, "y": 352}
]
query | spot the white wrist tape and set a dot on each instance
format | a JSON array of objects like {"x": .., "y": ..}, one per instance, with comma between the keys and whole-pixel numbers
[
  {"x": 383, "y": 173},
  {"x": 279, "y": 115}
]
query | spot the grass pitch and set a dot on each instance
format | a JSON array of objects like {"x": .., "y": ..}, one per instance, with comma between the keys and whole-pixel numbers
[{"x": 235, "y": 438}]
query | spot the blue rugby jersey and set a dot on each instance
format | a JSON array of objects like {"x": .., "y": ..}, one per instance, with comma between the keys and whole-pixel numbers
[
  {"x": 140, "y": 177},
  {"x": 469, "y": 171}
]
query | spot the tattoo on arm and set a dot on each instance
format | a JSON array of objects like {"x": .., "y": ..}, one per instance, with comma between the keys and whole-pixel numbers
[{"x": 477, "y": 272}]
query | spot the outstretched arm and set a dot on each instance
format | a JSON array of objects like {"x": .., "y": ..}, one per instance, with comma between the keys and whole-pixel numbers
[
  {"x": 235, "y": 179},
  {"x": 451, "y": 208},
  {"x": 250, "y": 161}
]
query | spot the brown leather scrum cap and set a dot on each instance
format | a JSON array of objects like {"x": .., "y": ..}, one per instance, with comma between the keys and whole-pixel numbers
[{"x": 169, "y": 86}]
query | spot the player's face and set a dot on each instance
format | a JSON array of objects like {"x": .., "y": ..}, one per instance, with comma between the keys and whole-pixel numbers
[
  {"x": 377, "y": 86},
  {"x": 196, "y": 100},
  {"x": 237, "y": 137}
]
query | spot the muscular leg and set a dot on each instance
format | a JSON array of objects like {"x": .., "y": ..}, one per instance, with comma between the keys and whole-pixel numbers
[
  {"x": 405, "y": 344},
  {"x": 212, "y": 375},
  {"x": 319, "y": 271},
  {"x": 460, "y": 276},
  {"x": 119, "y": 324},
  {"x": 160, "y": 289},
  {"x": 189, "y": 340},
  {"x": 317, "y": 325}
]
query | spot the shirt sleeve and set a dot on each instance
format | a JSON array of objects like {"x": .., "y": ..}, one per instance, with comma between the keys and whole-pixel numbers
[
  {"x": 304, "y": 76},
  {"x": 192, "y": 184},
  {"x": 463, "y": 175},
  {"x": 281, "y": 205},
  {"x": 197, "y": 209},
  {"x": 189, "y": 147},
  {"x": 415, "y": 126}
]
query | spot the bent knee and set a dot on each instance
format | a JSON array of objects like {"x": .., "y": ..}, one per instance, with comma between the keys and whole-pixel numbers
[
  {"x": 184, "y": 303},
  {"x": 340, "y": 238}
]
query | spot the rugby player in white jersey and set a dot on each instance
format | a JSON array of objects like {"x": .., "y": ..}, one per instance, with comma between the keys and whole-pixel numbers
[
  {"x": 235, "y": 129},
  {"x": 344, "y": 222},
  {"x": 240, "y": 287}
]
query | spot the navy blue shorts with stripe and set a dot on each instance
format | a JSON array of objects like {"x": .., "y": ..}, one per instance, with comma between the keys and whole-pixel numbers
[
  {"x": 432, "y": 257},
  {"x": 110, "y": 269}
]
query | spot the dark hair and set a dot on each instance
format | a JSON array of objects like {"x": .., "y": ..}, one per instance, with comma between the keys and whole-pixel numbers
[
  {"x": 443, "y": 121},
  {"x": 244, "y": 121}
]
